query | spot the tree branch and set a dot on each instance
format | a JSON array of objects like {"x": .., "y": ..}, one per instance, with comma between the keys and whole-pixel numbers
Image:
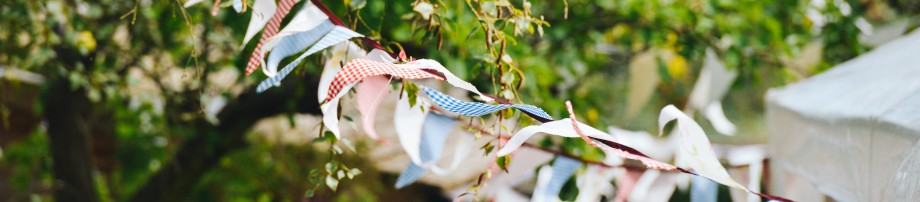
[{"x": 201, "y": 153}]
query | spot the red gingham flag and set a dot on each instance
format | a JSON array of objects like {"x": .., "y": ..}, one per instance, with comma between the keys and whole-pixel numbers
[
  {"x": 620, "y": 150},
  {"x": 359, "y": 69},
  {"x": 270, "y": 30}
]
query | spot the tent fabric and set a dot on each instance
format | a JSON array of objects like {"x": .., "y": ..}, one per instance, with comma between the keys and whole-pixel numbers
[{"x": 853, "y": 131}]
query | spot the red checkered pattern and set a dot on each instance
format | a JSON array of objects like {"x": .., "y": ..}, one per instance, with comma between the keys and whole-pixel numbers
[
  {"x": 359, "y": 69},
  {"x": 270, "y": 30},
  {"x": 568, "y": 106},
  {"x": 651, "y": 163},
  {"x": 215, "y": 8}
]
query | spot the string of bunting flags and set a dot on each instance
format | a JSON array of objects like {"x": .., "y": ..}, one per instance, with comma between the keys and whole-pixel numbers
[{"x": 422, "y": 133}]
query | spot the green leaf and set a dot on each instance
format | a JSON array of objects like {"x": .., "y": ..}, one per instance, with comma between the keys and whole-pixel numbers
[
  {"x": 353, "y": 172},
  {"x": 488, "y": 147},
  {"x": 503, "y": 162},
  {"x": 331, "y": 182},
  {"x": 309, "y": 192},
  {"x": 331, "y": 167},
  {"x": 314, "y": 176},
  {"x": 412, "y": 92}
]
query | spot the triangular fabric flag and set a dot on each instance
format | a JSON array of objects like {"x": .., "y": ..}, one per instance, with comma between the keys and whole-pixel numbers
[
  {"x": 434, "y": 133},
  {"x": 656, "y": 148},
  {"x": 544, "y": 174},
  {"x": 654, "y": 186},
  {"x": 284, "y": 6},
  {"x": 574, "y": 120},
  {"x": 216, "y": 8},
  {"x": 618, "y": 149},
  {"x": 358, "y": 69},
  {"x": 594, "y": 183},
  {"x": 463, "y": 148},
  {"x": 563, "y": 169},
  {"x": 337, "y": 35},
  {"x": 643, "y": 80},
  {"x": 703, "y": 190},
  {"x": 262, "y": 11},
  {"x": 714, "y": 82},
  {"x": 694, "y": 147},
  {"x": 478, "y": 109},
  {"x": 191, "y": 3},
  {"x": 330, "y": 109},
  {"x": 292, "y": 44},
  {"x": 626, "y": 183},
  {"x": 408, "y": 121},
  {"x": 307, "y": 27},
  {"x": 331, "y": 114},
  {"x": 341, "y": 53},
  {"x": 562, "y": 127},
  {"x": 370, "y": 94},
  {"x": 238, "y": 6}
]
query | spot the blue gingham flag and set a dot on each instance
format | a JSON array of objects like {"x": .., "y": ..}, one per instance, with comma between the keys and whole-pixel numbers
[
  {"x": 434, "y": 134},
  {"x": 563, "y": 169},
  {"x": 476, "y": 108},
  {"x": 337, "y": 35},
  {"x": 290, "y": 45}
]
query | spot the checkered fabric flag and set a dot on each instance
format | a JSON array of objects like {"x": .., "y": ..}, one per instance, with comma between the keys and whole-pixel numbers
[
  {"x": 284, "y": 6},
  {"x": 434, "y": 134},
  {"x": 563, "y": 169},
  {"x": 359, "y": 69},
  {"x": 337, "y": 35},
  {"x": 620, "y": 150},
  {"x": 476, "y": 108},
  {"x": 627, "y": 152},
  {"x": 293, "y": 44}
]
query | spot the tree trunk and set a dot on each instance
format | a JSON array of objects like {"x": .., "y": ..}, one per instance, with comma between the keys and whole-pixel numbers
[
  {"x": 66, "y": 111},
  {"x": 202, "y": 152}
]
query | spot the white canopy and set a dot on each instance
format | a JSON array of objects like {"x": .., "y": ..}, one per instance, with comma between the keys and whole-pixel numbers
[{"x": 852, "y": 132}]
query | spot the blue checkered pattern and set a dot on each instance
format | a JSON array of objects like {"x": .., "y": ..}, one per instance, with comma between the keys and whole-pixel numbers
[
  {"x": 563, "y": 169},
  {"x": 478, "y": 109},
  {"x": 336, "y": 35},
  {"x": 292, "y": 44},
  {"x": 434, "y": 134}
]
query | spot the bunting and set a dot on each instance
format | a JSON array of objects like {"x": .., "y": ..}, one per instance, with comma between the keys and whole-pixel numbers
[
  {"x": 284, "y": 6},
  {"x": 421, "y": 133},
  {"x": 307, "y": 27},
  {"x": 336, "y": 35}
]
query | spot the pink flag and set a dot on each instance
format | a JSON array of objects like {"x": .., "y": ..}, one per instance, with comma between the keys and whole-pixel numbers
[{"x": 370, "y": 94}]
